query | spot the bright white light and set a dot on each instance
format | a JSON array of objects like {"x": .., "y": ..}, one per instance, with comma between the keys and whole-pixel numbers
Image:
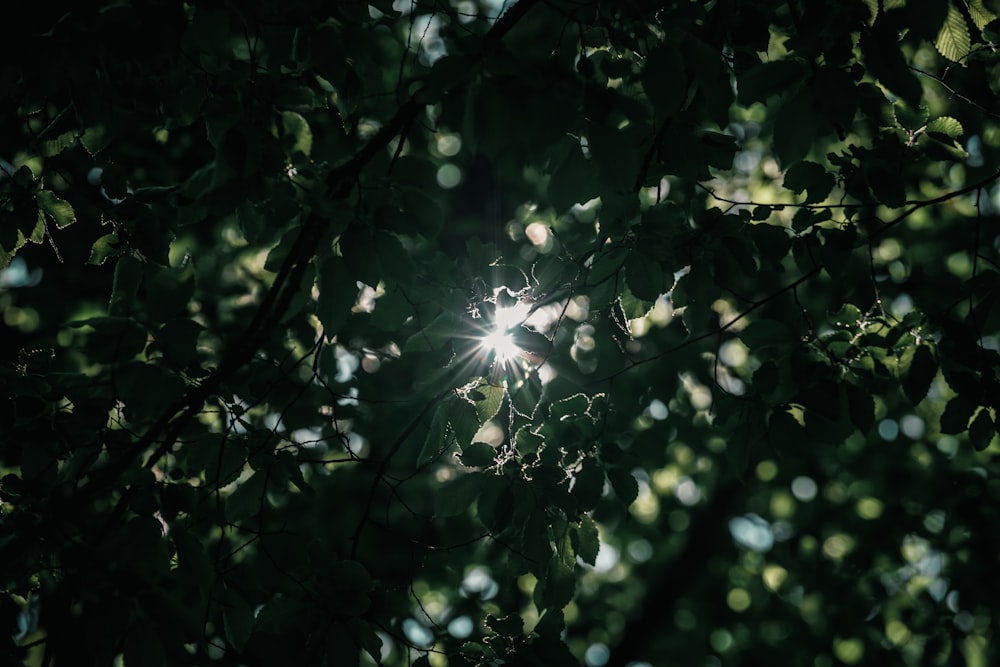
[
  {"x": 502, "y": 344},
  {"x": 512, "y": 316},
  {"x": 499, "y": 340}
]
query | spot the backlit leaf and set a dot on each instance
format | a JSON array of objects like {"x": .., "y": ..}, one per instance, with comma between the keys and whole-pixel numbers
[{"x": 953, "y": 40}]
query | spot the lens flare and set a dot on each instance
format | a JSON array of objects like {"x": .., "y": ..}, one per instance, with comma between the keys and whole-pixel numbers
[{"x": 502, "y": 345}]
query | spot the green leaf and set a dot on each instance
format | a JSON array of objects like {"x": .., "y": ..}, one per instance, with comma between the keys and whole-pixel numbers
[
  {"x": 169, "y": 290},
  {"x": 624, "y": 483},
  {"x": 981, "y": 16},
  {"x": 644, "y": 276},
  {"x": 143, "y": 647},
  {"x": 786, "y": 435},
  {"x": 458, "y": 495},
  {"x": 490, "y": 398},
  {"x": 58, "y": 210},
  {"x": 885, "y": 61},
  {"x": 297, "y": 134},
  {"x": 957, "y": 414},
  {"x": 861, "y": 406},
  {"x": 105, "y": 247},
  {"x": 193, "y": 560},
  {"x": 664, "y": 79},
  {"x": 338, "y": 292},
  {"x": 982, "y": 429},
  {"x": 573, "y": 180},
  {"x": 811, "y": 177},
  {"x": 559, "y": 585},
  {"x": 443, "y": 329},
  {"x": 113, "y": 338},
  {"x": 586, "y": 539},
  {"x": 946, "y": 125},
  {"x": 360, "y": 251},
  {"x": 178, "y": 339},
  {"x": 478, "y": 455},
  {"x": 511, "y": 625},
  {"x": 795, "y": 128},
  {"x": 248, "y": 498},
  {"x": 52, "y": 147},
  {"x": 363, "y": 634},
  {"x": 921, "y": 366},
  {"x": 769, "y": 79},
  {"x": 588, "y": 484},
  {"x": 238, "y": 619},
  {"x": 436, "y": 442},
  {"x": 953, "y": 40},
  {"x": 128, "y": 278},
  {"x": 770, "y": 336},
  {"x": 772, "y": 241},
  {"x": 577, "y": 404},
  {"x": 397, "y": 265}
]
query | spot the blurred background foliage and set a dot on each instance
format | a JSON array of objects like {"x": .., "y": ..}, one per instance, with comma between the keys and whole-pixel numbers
[{"x": 465, "y": 333}]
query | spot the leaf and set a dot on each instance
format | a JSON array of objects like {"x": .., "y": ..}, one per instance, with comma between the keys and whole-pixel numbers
[
  {"x": 861, "y": 406},
  {"x": 113, "y": 338},
  {"x": 812, "y": 177},
  {"x": 127, "y": 279},
  {"x": 478, "y": 455},
  {"x": 588, "y": 484},
  {"x": 624, "y": 483},
  {"x": 921, "y": 366},
  {"x": 559, "y": 585},
  {"x": 248, "y": 497},
  {"x": 769, "y": 79},
  {"x": 169, "y": 290},
  {"x": 511, "y": 625},
  {"x": 58, "y": 210},
  {"x": 769, "y": 336},
  {"x": 644, "y": 276},
  {"x": 886, "y": 185},
  {"x": 489, "y": 404},
  {"x": 953, "y": 40},
  {"x": 193, "y": 560},
  {"x": 957, "y": 413},
  {"x": 397, "y": 265},
  {"x": 946, "y": 125},
  {"x": 663, "y": 79},
  {"x": 443, "y": 329},
  {"x": 362, "y": 633},
  {"x": 52, "y": 147},
  {"x": 338, "y": 292},
  {"x": 785, "y": 433},
  {"x": 436, "y": 442},
  {"x": 573, "y": 180},
  {"x": 885, "y": 61},
  {"x": 795, "y": 128},
  {"x": 297, "y": 134},
  {"x": 458, "y": 495},
  {"x": 178, "y": 339},
  {"x": 105, "y": 247},
  {"x": 143, "y": 647},
  {"x": 772, "y": 241},
  {"x": 587, "y": 542},
  {"x": 982, "y": 429},
  {"x": 981, "y": 16},
  {"x": 238, "y": 619},
  {"x": 577, "y": 404}
]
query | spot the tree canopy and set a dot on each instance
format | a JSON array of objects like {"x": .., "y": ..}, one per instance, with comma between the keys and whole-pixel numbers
[{"x": 547, "y": 332}]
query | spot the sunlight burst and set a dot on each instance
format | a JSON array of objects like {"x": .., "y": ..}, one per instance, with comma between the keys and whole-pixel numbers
[
  {"x": 502, "y": 344},
  {"x": 499, "y": 340}
]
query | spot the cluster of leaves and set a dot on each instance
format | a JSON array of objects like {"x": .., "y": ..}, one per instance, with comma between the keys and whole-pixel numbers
[{"x": 749, "y": 408}]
